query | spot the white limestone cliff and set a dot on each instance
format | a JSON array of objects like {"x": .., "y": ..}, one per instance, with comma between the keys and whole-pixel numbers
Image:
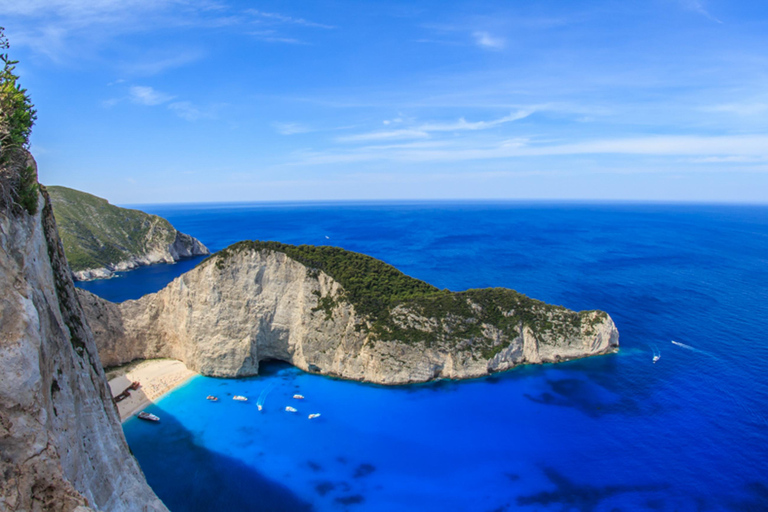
[
  {"x": 228, "y": 314},
  {"x": 61, "y": 443}
]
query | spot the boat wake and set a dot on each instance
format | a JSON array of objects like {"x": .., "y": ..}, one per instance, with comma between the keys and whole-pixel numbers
[
  {"x": 263, "y": 395},
  {"x": 688, "y": 347}
]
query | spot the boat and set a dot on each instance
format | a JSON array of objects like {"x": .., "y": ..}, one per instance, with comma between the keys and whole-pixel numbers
[
  {"x": 314, "y": 415},
  {"x": 259, "y": 406},
  {"x": 298, "y": 397},
  {"x": 239, "y": 398},
  {"x": 656, "y": 358},
  {"x": 212, "y": 398},
  {"x": 290, "y": 409},
  {"x": 143, "y": 415}
]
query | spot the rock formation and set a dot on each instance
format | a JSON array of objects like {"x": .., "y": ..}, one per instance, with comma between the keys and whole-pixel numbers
[
  {"x": 61, "y": 443},
  {"x": 101, "y": 239},
  {"x": 259, "y": 301}
]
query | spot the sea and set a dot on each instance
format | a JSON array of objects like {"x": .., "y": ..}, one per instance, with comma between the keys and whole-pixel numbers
[{"x": 687, "y": 283}]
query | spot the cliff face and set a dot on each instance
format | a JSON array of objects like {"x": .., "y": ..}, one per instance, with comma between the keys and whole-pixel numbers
[
  {"x": 61, "y": 443},
  {"x": 235, "y": 310},
  {"x": 101, "y": 239}
]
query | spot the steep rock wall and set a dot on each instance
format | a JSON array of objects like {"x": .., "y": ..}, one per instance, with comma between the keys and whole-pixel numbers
[
  {"x": 61, "y": 443},
  {"x": 225, "y": 316}
]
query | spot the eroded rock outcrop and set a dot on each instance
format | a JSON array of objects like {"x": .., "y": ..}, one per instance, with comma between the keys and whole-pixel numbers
[
  {"x": 61, "y": 444},
  {"x": 259, "y": 301}
]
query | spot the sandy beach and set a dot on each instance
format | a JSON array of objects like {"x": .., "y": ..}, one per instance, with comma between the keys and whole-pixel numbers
[{"x": 155, "y": 376}]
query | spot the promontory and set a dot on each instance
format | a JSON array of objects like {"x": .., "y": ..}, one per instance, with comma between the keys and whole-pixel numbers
[
  {"x": 338, "y": 313},
  {"x": 101, "y": 239}
]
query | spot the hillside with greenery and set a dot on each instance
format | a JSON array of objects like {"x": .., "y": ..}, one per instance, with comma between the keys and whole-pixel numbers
[
  {"x": 384, "y": 296},
  {"x": 97, "y": 234}
]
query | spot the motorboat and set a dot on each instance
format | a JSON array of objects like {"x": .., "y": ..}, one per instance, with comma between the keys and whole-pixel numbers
[
  {"x": 259, "y": 406},
  {"x": 143, "y": 415},
  {"x": 290, "y": 409},
  {"x": 656, "y": 358},
  {"x": 239, "y": 398},
  {"x": 314, "y": 415},
  {"x": 212, "y": 398},
  {"x": 298, "y": 397}
]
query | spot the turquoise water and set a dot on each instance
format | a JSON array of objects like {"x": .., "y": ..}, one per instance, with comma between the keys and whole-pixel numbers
[{"x": 607, "y": 433}]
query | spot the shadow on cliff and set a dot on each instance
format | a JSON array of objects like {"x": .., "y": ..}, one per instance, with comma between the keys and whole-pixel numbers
[{"x": 190, "y": 478}]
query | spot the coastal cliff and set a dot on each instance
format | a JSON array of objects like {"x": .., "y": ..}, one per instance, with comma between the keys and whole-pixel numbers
[
  {"x": 101, "y": 239},
  {"x": 330, "y": 311},
  {"x": 61, "y": 443}
]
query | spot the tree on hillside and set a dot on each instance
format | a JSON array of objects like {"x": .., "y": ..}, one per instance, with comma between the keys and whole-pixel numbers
[{"x": 17, "y": 115}]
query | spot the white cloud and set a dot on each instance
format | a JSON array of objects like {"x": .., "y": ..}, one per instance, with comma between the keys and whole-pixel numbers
[
  {"x": 486, "y": 40},
  {"x": 144, "y": 95},
  {"x": 389, "y": 135},
  {"x": 272, "y": 36},
  {"x": 290, "y": 128},
  {"x": 728, "y": 149},
  {"x": 423, "y": 130},
  {"x": 698, "y": 6},
  {"x": 281, "y": 18},
  {"x": 186, "y": 110}
]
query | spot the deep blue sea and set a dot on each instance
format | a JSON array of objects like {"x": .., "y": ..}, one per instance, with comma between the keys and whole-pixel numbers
[{"x": 609, "y": 433}]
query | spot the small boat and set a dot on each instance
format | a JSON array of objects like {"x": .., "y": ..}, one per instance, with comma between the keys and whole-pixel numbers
[
  {"x": 212, "y": 398},
  {"x": 314, "y": 415},
  {"x": 147, "y": 416},
  {"x": 259, "y": 406},
  {"x": 239, "y": 398},
  {"x": 298, "y": 397},
  {"x": 656, "y": 358},
  {"x": 290, "y": 409}
]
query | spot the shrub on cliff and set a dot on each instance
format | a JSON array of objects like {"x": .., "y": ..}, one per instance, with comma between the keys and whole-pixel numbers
[{"x": 17, "y": 115}]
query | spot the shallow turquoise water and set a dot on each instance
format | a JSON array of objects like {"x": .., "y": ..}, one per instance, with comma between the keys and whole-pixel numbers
[{"x": 607, "y": 433}]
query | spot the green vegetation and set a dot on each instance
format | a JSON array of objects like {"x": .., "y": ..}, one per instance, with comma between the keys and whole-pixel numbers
[
  {"x": 97, "y": 234},
  {"x": 386, "y": 297},
  {"x": 17, "y": 115}
]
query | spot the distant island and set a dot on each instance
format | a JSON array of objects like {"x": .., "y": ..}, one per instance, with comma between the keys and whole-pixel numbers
[
  {"x": 339, "y": 313},
  {"x": 101, "y": 239}
]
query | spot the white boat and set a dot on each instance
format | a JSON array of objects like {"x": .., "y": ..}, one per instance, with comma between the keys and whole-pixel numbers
[
  {"x": 298, "y": 397},
  {"x": 239, "y": 398},
  {"x": 290, "y": 409},
  {"x": 259, "y": 406},
  {"x": 314, "y": 415},
  {"x": 147, "y": 416},
  {"x": 212, "y": 398},
  {"x": 656, "y": 358}
]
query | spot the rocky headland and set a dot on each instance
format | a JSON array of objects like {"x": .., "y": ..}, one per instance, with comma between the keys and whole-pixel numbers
[
  {"x": 61, "y": 443},
  {"x": 101, "y": 239},
  {"x": 338, "y": 313}
]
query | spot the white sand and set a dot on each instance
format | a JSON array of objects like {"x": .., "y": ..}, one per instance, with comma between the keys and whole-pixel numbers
[{"x": 156, "y": 376}]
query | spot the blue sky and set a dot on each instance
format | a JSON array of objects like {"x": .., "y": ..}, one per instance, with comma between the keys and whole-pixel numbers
[{"x": 146, "y": 101}]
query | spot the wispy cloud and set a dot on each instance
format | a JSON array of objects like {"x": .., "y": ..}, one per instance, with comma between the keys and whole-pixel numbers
[
  {"x": 704, "y": 149},
  {"x": 272, "y": 36},
  {"x": 145, "y": 95},
  {"x": 486, "y": 40},
  {"x": 156, "y": 64},
  {"x": 423, "y": 130},
  {"x": 291, "y": 128},
  {"x": 281, "y": 18},
  {"x": 698, "y": 7}
]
